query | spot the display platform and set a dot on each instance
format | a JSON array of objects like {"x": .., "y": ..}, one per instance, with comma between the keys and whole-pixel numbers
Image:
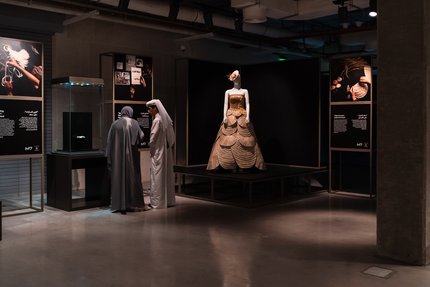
[
  {"x": 63, "y": 169},
  {"x": 255, "y": 184}
]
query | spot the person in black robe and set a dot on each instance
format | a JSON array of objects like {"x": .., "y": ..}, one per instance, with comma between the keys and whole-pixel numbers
[{"x": 123, "y": 160}]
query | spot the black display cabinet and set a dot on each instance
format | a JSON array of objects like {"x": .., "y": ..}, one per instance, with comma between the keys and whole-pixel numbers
[
  {"x": 60, "y": 169},
  {"x": 76, "y": 169}
]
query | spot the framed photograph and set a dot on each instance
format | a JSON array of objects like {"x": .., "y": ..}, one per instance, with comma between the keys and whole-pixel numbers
[
  {"x": 139, "y": 62},
  {"x": 130, "y": 61},
  {"x": 351, "y": 79},
  {"x": 122, "y": 78},
  {"x": 119, "y": 65},
  {"x": 21, "y": 68}
]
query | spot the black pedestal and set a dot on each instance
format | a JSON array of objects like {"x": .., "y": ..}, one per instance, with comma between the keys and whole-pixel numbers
[{"x": 59, "y": 168}]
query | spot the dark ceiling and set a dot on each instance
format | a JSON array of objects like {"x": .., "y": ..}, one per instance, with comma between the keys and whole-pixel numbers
[{"x": 296, "y": 35}]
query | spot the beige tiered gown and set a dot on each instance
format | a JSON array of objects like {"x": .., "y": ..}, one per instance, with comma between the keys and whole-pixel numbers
[{"x": 236, "y": 144}]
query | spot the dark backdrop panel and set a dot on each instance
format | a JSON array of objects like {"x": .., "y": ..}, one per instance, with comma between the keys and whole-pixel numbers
[
  {"x": 284, "y": 98},
  {"x": 350, "y": 126},
  {"x": 20, "y": 127},
  {"x": 325, "y": 107},
  {"x": 207, "y": 84},
  {"x": 123, "y": 65},
  {"x": 142, "y": 116}
]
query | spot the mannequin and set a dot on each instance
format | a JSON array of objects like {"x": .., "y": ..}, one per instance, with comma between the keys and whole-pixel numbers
[{"x": 236, "y": 146}]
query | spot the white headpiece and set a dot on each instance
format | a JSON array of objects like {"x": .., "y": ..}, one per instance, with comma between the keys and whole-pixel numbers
[{"x": 166, "y": 121}]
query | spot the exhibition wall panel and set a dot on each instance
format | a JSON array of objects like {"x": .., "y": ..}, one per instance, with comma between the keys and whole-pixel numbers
[
  {"x": 352, "y": 131},
  {"x": 22, "y": 172}
]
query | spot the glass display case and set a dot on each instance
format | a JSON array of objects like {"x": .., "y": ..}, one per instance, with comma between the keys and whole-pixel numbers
[
  {"x": 77, "y": 167},
  {"x": 77, "y": 115}
]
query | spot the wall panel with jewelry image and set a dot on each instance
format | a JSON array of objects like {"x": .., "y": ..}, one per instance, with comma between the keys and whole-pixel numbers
[
  {"x": 21, "y": 123},
  {"x": 350, "y": 141}
]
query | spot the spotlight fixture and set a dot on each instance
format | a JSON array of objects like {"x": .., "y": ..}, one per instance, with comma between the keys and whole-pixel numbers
[{"x": 373, "y": 11}]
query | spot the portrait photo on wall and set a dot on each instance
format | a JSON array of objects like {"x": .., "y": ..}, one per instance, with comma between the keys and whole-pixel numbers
[
  {"x": 350, "y": 79},
  {"x": 135, "y": 82},
  {"x": 21, "y": 68}
]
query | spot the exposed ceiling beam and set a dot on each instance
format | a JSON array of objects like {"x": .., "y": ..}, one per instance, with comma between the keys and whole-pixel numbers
[{"x": 81, "y": 17}]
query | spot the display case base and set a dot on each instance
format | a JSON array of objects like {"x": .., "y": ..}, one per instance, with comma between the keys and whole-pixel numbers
[{"x": 60, "y": 193}]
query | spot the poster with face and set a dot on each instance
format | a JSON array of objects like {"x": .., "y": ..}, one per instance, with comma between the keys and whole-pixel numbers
[
  {"x": 21, "y": 68},
  {"x": 135, "y": 83},
  {"x": 350, "y": 79}
]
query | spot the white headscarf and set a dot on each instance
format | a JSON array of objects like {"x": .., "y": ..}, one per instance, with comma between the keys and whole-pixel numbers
[{"x": 166, "y": 121}]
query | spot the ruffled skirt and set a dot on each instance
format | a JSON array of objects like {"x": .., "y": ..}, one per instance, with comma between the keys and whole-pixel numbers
[{"x": 236, "y": 144}]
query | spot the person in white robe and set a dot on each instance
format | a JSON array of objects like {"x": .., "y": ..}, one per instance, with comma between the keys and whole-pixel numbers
[{"x": 162, "y": 139}]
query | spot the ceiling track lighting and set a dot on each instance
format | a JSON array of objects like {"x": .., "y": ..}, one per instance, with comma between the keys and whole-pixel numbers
[{"x": 373, "y": 8}]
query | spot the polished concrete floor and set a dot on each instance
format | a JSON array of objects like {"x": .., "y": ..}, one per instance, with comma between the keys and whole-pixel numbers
[{"x": 324, "y": 240}]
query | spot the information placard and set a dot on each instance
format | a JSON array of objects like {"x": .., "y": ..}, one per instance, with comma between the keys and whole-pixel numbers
[
  {"x": 20, "y": 127},
  {"x": 142, "y": 116},
  {"x": 350, "y": 126}
]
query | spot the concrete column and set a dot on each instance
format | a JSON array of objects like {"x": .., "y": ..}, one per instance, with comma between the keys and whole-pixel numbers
[{"x": 403, "y": 131}]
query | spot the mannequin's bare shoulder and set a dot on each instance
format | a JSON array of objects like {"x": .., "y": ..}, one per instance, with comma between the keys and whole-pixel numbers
[{"x": 236, "y": 91}]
